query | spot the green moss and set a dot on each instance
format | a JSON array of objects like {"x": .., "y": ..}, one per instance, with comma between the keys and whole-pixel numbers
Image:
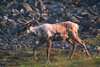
[
  {"x": 94, "y": 40},
  {"x": 58, "y": 58}
]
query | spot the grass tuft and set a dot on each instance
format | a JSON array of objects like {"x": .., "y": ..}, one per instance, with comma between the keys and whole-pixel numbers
[{"x": 93, "y": 40}]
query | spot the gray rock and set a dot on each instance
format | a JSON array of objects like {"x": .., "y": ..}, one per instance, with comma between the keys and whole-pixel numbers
[
  {"x": 86, "y": 36},
  {"x": 2, "y": 63},
  {"x": 61, "y": 10},
  {"x": 24, "y": 47},
  {"x": 5, "y": 17},
  {"x": 40, "y": 6},
  {"x": 52, "y": 12},
  {"x": 24, "y": 6},
  {"x": 34, "y": 8},
  {"x": 3, "y": 22},
  {"x": 79, "y": 46},
  {"x": 62, "y": 47},
  {"x": 91, "y": 46},
  {"x": 88, "y": 46},
  {"x": 83, "y": 50},
  {"x": 12, "y": 6},
  {"x": 30, "y": 13},
  {"x": 84, "y": 14},
  {"x": 74, "y": 11},
  {"x": 90, "y": 3},
  {"x": 98, "y": 4},
  {"x": 92, "y": 12},
  {"x": 6, "y": 4},
  {"x": 72, "y": 18},
  {"x": 19, "y": 46},
  {"x": 2, "y": 0},
  {"x": 51, "y": 20},
  {"x": 34, "y": 2},
  {"x": 97, "y": 48},
  {"x": 97, "y": 24},
  {"x": 21, "y": 1}
]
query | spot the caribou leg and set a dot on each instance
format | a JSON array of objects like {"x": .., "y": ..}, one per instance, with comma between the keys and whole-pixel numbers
[
  {"x": 77, "y": 39},
  {"x": 48, "y": 51},
  {"x": 34, "y": 52},
  {"x": 74, "y": 47}
]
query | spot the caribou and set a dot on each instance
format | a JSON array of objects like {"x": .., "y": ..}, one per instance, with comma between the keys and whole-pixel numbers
[{"x": 46, "y": 33}]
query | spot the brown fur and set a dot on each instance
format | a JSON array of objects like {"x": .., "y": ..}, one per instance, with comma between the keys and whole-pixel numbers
[{"x": 47, "y": 33}]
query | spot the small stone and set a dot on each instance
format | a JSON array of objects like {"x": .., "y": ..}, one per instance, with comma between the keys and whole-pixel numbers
[
  {"x": 84, "y": 14},
  {"x": 40, "y": 5},
  {"x": 24, "y": 47},
  {"x": 83, "y": 51},
  {"x": 97, "y": 48},
  {"x": 24, "y": 6},
  {"x": 61, "y": 10},
  {"x": 62, "y": 47},
  {"x": 87, "y": 46},
  {"x": 5, "y": 17},
  {"x": 19, "y": 46}
]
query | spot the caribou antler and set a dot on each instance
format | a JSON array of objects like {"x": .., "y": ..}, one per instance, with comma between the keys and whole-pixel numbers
[{"x": 28, "y": 22}]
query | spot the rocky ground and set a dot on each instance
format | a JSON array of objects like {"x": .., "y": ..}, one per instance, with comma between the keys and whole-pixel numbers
[{"x": 85, "y": 13}]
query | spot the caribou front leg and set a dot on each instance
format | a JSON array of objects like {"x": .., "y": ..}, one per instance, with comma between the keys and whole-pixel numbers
[
  {"x": 82, "y": 43},
  {"x": 77, "y": 39},
  {"x": 48, "y": 51},
  {"x": 74, "y": 47},
  {"x": 34, "y": 52}
]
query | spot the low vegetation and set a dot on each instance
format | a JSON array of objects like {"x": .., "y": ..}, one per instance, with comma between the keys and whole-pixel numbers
[
  {"x": 58, "y": 58},
  {"x": 93, "y": 40}
]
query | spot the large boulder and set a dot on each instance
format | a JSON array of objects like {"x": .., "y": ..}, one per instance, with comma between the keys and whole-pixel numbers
[
  {"x": 24, "y": 6},
  {"x": 40, "y": 6}
]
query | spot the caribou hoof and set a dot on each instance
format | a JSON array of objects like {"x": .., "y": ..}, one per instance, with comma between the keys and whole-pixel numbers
[
  {"x": 70, "y": 58},
  {"x": 89, "y": 55},
  {"x": 35, "y": 58},
  {"x": 47, "y": 61}
]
